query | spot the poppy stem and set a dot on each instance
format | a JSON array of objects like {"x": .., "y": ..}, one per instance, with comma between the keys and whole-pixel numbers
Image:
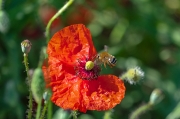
[
  {"x": 69, "y": 117},
  {"x": 47, "y": 33},
  {"x": 30, "y": 92},
  {"x": 44, "y": 110},
  {"x": 155, "y": 98},
  {"x": 38, "y": 110},
  {"x": 139, "y": 111},
  {"x": 49, "y": 113},
  {"x": 1, "y": 4},
  {"x": 108, "y": 114},
  {"x": 43, "y": 56},
  {"x": 74, "y": 114}
]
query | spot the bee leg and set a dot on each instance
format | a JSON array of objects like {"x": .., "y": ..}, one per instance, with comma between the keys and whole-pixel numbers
[
  {"x": 104, "y": 64},
  {"x": 111, "y": 65}
]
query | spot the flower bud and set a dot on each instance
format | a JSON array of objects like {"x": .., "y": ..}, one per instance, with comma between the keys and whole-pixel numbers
[
  {"x": 26, "y": 46},
  {"x": 156, "y": 96},
  {"x": 47, "y": 95},
  {"x": 133, "y": 75}
]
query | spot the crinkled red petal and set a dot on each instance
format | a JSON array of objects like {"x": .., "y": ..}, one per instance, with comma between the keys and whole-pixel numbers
[
  {"x": 71, "y": 43},
  {"x": 77, "y": 94},
  {"x": 46, "y": 72},
  {"x": 65, "y": 85},
  {"x": 67, "y": 94},
  {"x": 104, "y": 93},
  {"x": 69, "y": 91},
  {"x": 67, "y": 46}
]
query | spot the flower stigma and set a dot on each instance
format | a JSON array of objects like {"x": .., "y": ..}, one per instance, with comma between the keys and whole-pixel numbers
[
  {"x": 89, "y": 65},
  {"x": 87, "y": 69}
]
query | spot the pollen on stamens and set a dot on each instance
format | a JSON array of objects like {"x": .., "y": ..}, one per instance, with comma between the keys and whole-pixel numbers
[{"x": 87, "y": 69}]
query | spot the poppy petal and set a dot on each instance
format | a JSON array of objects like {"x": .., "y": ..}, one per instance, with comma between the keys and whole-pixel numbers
[
  {"x": 71, "y": 92},
  {"x": 71, "y": 43},
  {"x": 104, "y": 93},
  {"x": 65, "y": 85},
  {"x": 66, "y": 93}
]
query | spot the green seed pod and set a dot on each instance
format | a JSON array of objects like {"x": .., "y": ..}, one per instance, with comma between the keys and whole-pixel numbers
[
  {"x": 156, "y": 96},
  {"x": 37, "y": 85},
  {"x": 26, "y": 46}
]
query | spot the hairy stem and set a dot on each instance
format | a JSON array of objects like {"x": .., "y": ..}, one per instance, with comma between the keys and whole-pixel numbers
[
  {"x": 38, "y": 110},
  {"x": 30, "y": 92},
  {"x": 139, "y": 111},
  {"x": 74, "y": 114},
  {"x": 44, "y": 111}
]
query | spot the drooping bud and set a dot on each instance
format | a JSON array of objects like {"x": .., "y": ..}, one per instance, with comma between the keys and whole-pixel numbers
[
  {"x": 156, "y": 97},
  {"x": 26, "y": 46},
  {"x": 133, "y": 75}
]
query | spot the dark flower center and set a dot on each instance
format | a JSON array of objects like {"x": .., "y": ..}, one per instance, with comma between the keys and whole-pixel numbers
[{"x": 87, "y": 69}]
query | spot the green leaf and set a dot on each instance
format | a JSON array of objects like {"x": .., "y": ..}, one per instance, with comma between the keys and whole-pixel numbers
[{"x": 37, "y": 85}]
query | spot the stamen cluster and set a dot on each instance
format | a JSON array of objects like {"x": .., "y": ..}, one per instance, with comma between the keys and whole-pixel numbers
[{"x": 84, "y": 73}]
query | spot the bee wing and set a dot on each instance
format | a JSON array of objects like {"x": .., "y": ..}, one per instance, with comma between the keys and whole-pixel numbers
[{"x": 105, "y": 48}]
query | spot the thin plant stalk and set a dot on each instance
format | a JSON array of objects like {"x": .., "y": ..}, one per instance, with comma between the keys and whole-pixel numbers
[
  {"x": 30, "y": 106},
  {"x": 38, "y": 110},
  {"x": 139, "y": 111},
  {"x": 44, "y": 110},
  {"x": 47, "y": 33},
  {"x": 49, "y": 113},
  {"x": 74, "y": 114}
]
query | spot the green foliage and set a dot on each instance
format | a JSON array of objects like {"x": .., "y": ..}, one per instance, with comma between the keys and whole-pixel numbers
[
  {"x": 143, "y": 33},
  {"x": 37, "y": 85},
  {"x": 61, "y": 114}
]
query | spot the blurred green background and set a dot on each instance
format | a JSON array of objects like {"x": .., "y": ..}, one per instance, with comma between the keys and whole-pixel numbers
[{"x": 143, "y": 33}]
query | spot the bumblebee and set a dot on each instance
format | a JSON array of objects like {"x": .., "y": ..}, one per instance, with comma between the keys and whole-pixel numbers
[{"x": 106, "y": 58}]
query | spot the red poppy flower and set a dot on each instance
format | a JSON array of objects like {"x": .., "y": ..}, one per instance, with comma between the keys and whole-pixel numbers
[{"x": 73, "y": 85}]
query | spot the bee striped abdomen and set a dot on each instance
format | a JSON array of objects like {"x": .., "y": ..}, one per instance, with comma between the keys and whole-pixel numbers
[{"x": 113, "y": 60}]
